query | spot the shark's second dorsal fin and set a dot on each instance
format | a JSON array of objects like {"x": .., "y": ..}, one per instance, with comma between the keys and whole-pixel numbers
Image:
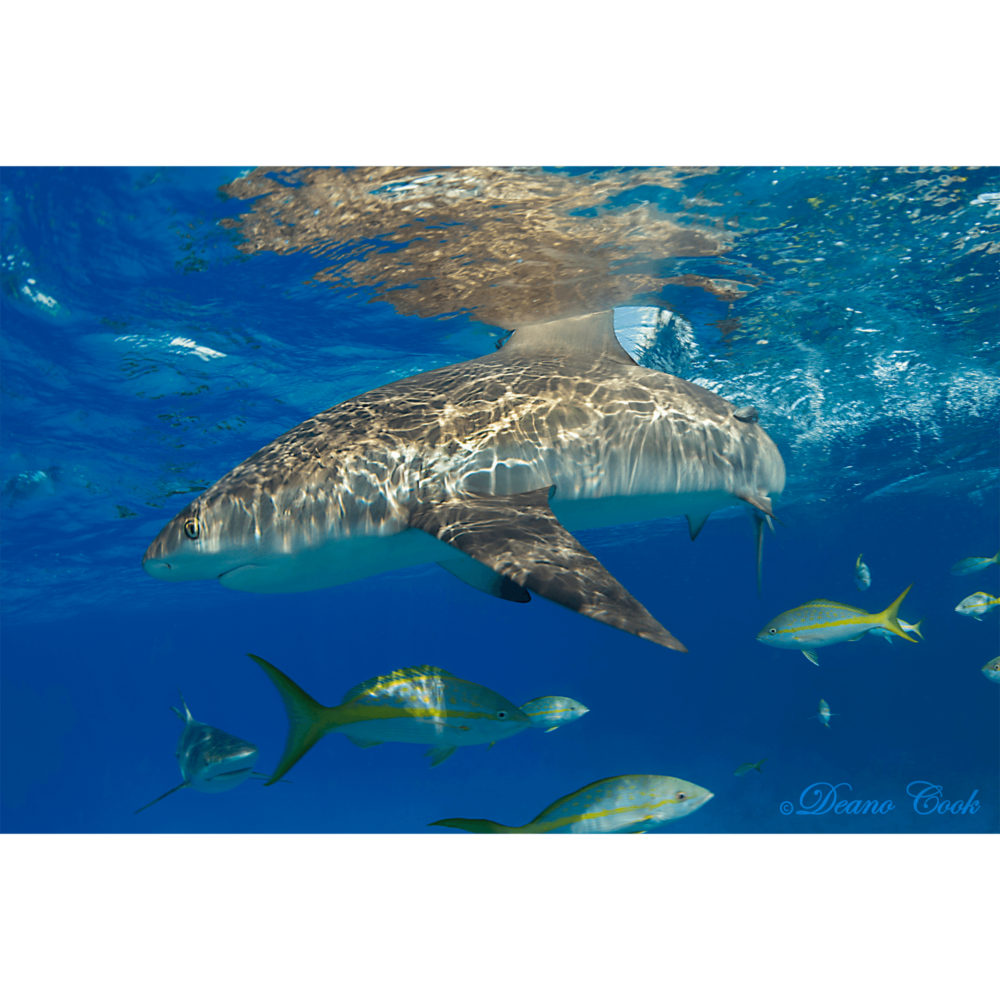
[
  {"x": 591, "y": 336},
  {"x": 518, "y": 536}
]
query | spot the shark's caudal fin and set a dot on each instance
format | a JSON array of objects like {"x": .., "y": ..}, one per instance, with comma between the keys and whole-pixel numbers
[
  {"x": 183, "y": 784},
  {"x": 758, "y": 523},
  {"x": 477, "y": 825},
  {"x": 887, "y": 619},
  {"x": 306, "y": 722},
  {"x": 519, "y": 537}
]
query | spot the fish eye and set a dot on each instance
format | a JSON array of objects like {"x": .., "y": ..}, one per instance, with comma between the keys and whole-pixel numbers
[
  {"x": 501, "y": 715},
  {"x": 192, "y": 528},
  {"x": 772, "y": 631},
  {"x": 681, "y": 795}
]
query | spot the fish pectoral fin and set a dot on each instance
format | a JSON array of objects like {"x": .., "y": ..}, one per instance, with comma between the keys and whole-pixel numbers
[
  {"x": 364, "y": 744},
  {"x": 858, "y": 637},
  {"x": 519, "y": 537},
  {"x": 810, "y": 656},
  {"x": 439, "y": 754},
  {"x": 695, "y": 523},
  {"x": 475, "y": 574},
  {"x": 552, "y": 730},
  {"x": 183, "y": 784}
]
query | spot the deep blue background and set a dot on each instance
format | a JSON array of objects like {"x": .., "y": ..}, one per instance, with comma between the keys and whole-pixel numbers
[{"x": 94, "y": 650}]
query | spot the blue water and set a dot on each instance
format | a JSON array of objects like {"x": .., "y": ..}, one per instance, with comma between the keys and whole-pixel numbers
[{"x": 146, "y": 350}]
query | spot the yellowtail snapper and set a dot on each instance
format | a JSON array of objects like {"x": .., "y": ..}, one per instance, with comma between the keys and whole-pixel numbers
[
  {"x": 553, "y": 711},
  {"x": 973, "y": 564},
  {"x": 631, "y": 803},
  {"x": 747, "y": 768},
  {"x": 824, "y": 713},
  {"x": 822, "y": 623},
  {"x": 414, "y": 705},
  {"x": 862, "y": 575},
  {"x": 210, "y": 760},
  {"x": 976, "y": 605},
  {"x": 992, "y": 670}
]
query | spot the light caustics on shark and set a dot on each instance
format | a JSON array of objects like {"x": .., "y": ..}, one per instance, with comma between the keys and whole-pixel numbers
[{"x": 484, "y": 467}]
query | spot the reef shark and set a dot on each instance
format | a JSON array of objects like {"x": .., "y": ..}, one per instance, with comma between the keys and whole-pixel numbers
[
  {"x": 484, "y": 467},
  {"x": 210, "y": 760}
]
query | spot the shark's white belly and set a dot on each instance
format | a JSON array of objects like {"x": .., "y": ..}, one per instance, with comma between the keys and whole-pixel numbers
[{"x": 344, "y": 559}]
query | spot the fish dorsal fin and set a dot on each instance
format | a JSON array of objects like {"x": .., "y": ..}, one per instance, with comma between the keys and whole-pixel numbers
[
  {"x": 406, "y": 673},
  {"x": 520, "y": 537},
  {"x": 824, "y": 603},
  {"x": 548, "y": 810},
  {"x": 588, "y": 336}
]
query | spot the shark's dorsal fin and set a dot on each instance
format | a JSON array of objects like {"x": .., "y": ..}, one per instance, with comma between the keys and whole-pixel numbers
[
  {"x": 187, "y": 716},
  {"x": 519, "y": 536},
  {"x": 591, "y": 335}
]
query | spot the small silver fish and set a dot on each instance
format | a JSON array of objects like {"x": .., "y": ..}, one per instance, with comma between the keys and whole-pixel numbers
[
  {"x": 976, "y": 605},
  {"x": 747, "y": 768},
  {"x": 973, "y": 564},
  {"x": 414, "y": 705},
  {"x": 824, "y": 713},
  {"x": 210, "y": 760},
  {"x": 905, "y": 626},
  {"x": 862, "y": 575},
  {"x": 553, "y": 711},
  {"x": 992, "y": 670},
  {"x": 631, "y": 803},
  {"x": 822, "y": 623}
]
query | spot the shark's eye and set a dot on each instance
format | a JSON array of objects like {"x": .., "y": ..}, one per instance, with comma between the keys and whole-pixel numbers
[
  {"x": 772, "y": 631},
  {"x": 501, "y": 715},
  {"x": 192, "y": 528}
]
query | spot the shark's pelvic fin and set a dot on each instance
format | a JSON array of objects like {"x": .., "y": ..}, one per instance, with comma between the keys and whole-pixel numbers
[
  {"x": 518, "y": 536},
  {"x": 183, "y": 784},
  {"x": 439, "y": 754},
  {"x": 481, "y": 577},
  {"x": 591, "y": 335},
  {"x": 695, "y": 523}
]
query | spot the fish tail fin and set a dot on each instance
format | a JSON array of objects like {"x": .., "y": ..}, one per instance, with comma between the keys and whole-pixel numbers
[
  {"x": 307, "y": 722},
  {"x": 916, "y": 628},
  {"x": 183, "y": 784},
  {"x": 757, "y": 765},
  {"x": 476, "y": 825},
  {"x": 857, "y": 565},
  {"x": 887, "y": 619},
  {"x": 996, "y": 558}
]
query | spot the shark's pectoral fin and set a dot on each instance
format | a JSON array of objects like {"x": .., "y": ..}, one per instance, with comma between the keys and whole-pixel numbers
[
  {"x": 481, "y": 577},
  {"x": 519, "y": 537},
  {"x": 695, "y": 523},
  {"x": 183, "y": 784}
]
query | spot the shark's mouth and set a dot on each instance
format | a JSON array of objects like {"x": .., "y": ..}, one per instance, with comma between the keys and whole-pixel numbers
[{"x": 229, "y": 774}]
